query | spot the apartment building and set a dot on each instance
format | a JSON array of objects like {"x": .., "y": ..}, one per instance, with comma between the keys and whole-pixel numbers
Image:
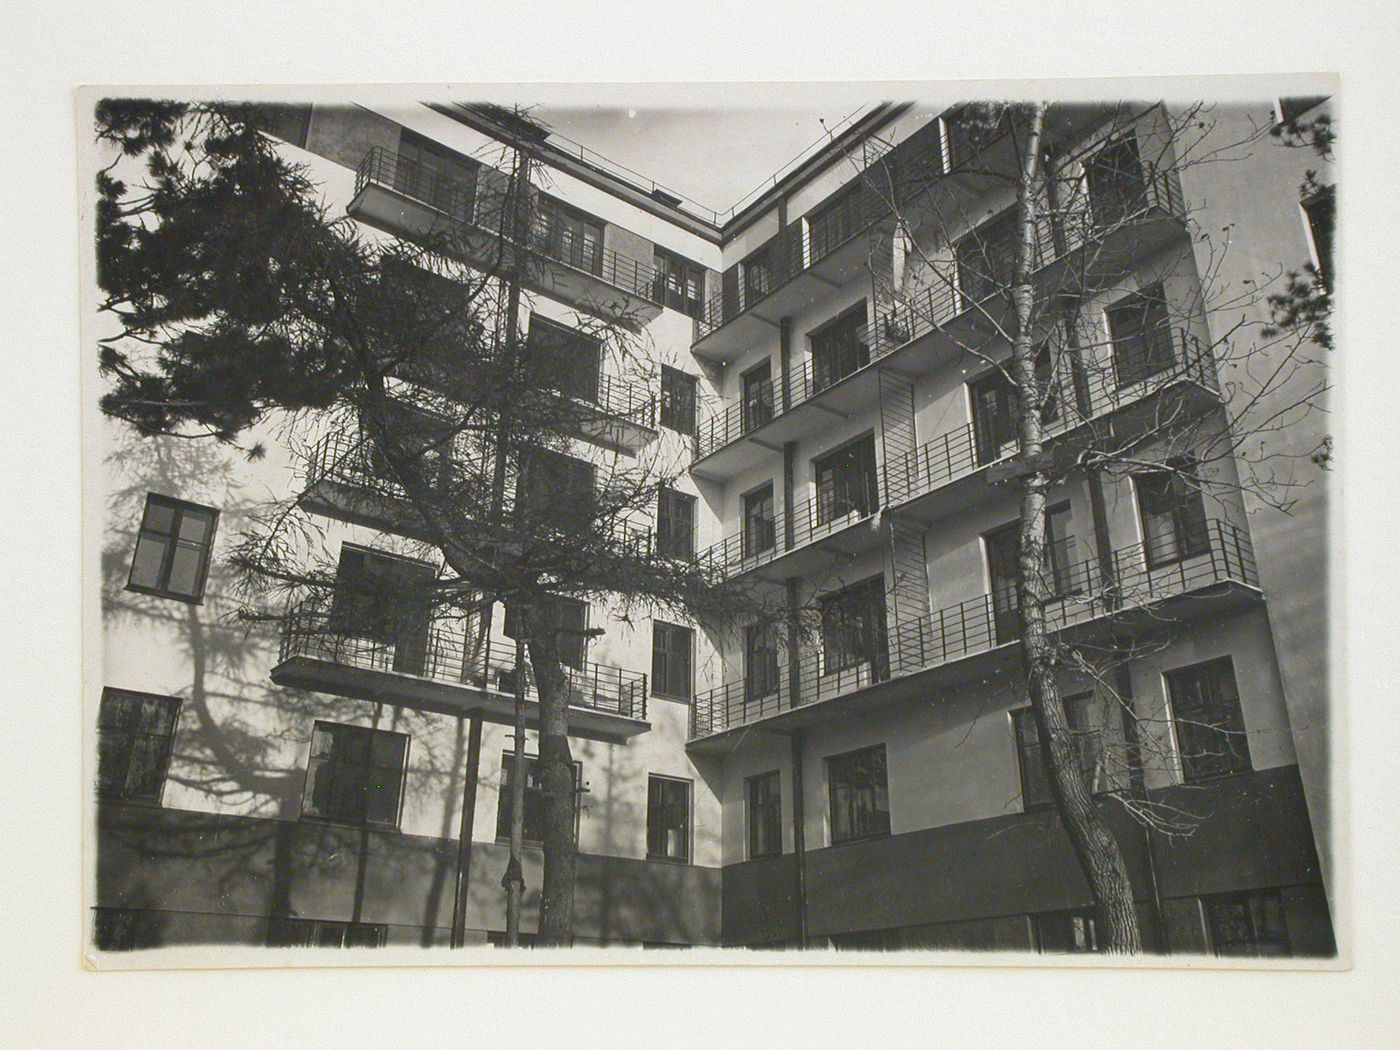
[{"x": 822, "y": 365}]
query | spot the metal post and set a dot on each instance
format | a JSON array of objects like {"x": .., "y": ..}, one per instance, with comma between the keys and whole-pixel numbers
[
  {"x": 514, "y": 878},
  {"x": 799, "y": 835}
]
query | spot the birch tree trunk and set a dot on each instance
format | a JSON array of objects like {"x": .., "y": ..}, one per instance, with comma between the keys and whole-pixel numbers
[{"x": 557, "y": 783}]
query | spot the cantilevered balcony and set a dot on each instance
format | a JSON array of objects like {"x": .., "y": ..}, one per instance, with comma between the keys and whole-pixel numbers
[
  {"x": 962, "y": 643},
  {"x": 442, "y": 665},
  {"x": 405, "y": 198},
  {"x": 618, "y": 414}
]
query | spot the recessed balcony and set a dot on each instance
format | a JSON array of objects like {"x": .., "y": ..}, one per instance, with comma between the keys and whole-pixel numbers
[
  {"x": 442, "y": 665},
  {"x": 966, "y": 642}
]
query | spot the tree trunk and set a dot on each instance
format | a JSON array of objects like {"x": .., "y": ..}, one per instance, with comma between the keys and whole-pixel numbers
[
  {"x": 557, "y": 782},
  {"x": 515, "y": 872},
  {"x": 1094, "y": 845}
]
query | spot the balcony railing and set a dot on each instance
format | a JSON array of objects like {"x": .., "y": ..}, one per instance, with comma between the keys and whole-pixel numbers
[
  {"x": 1218, "y": 553},
  {"x": 448, "y": 651},
  {"x": 622, "y": 400},
  {"x": 457, "y": 199},
  {"x": 346, "y": 457}
]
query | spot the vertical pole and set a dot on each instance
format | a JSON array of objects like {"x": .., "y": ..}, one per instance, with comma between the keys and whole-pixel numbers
[
  {"x": 799, "y": 834},
  {"x": 514, "y": 880},
  {"x": 794, "y": 651},
  {"x": 785, "y": 361},
  {"x": 464, "y": 832}
]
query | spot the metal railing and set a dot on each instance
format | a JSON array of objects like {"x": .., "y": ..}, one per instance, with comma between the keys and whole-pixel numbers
[
  {"x": 458, "y": 200},
  {"x": 448, "y": 650},
  {"x": 1218, "y": 553},
  {"x": 346, "y": 457},
  {"x": 623, "y": 400}
]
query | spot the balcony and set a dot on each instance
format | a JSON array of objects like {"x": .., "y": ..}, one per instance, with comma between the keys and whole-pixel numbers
[
  {"x": 945, "y": 475},
  {"x": 442, "y": 666},
  {"x": 618, "y": 415},
  {"x": 968, "y": 641},
  {"x": 407, "y": 199}
]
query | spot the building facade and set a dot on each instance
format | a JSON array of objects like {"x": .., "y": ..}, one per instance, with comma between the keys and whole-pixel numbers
[{"x": 822, "y": 366}]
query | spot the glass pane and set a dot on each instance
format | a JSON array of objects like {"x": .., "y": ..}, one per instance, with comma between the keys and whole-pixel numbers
[
  {"x": 195, "y": 524},
  {"x": 145, "y": 566},
  {"x": 185, "y": 569},
  {"x": 160, "y": 517}
]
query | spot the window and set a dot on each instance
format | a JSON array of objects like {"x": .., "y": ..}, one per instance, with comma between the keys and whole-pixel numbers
[
  {"x": 758, "y": 270},
  {"x": 1142, "y": 340},
  {"x": 675, "y": 524},
  {"x": 534, "y": 798},
  {"x": 670, "y": 660},
  {"x": 318, "y": 933},
  {"x": 995, "y": 423},
  {"x": 570, "y": 236},
  {"x": 387, "y": 600},
  {"x": 680, "y": 283},
  {"x": 288, "y": 121},
  {"x": 424, "y": 439},
  {"x": 1066, "y": 932},
  {"x": 840, "y": 348},
  {"x": 1320, "y": 211},
  {"x": 1035, "y": 777},
  {"x": 986, "y": 258},
  {"x": 1173, "y": 512},
  {"x": 572, "y": 359},
  {"x": 172, "y": 549},
  {"x": 355, "y": 775},
  {"x": 428, "y": 171},
  {"x": 555, "y": 490},
  {"x": 677, "y": 400},
  {"x": 1113, "y": 177},
  {"x": 764, "y": 797},
  {"x": 860, "y": 795},
  {"x": 135, "y": 733},
  {"x": 760, "y": 525},
  {"x": 757, "y": 403},
  {"x": 1003, "y": 547},
  {"x": 126, "y": 929},
  {"x": 853, "y": 629},
  {"x": 846, "y": 481},
  {"x": 570, "y": 616},
  {"x": 1210, "y": 734},
  {"x": 668, "y": 818},
  {"x": 760, "y": 661},
  {"x": 1248, "y": 924}
]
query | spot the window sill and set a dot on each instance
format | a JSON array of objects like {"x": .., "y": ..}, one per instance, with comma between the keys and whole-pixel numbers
[
  {"x": 668, "y": 860},
  {"x": 862, "y": 838},
  {"x": 173, "y": 595},
  {"x": 673, "y": 699}
]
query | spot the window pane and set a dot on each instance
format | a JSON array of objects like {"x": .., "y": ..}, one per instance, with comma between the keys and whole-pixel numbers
[
  {"x": 185, "y": 570},
  {"x": 146, "y": 565},
  {"x": 159, "y": 517},
  {"x": 194, "y": 525}
]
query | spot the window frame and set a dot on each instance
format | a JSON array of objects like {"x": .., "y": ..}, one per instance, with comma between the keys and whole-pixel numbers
[
  {"x": 828, "y": 507},
  {"x": 667, "y": 265},
  {"x": 576, "y": 377},
  {"x": 665, "y": 654},
  {"x": 751, "y": 537},
  {"x": 689, "y": 825},
  {"x": 756, "y": 676},
  {"x": 503, "y": 796},
  {"x": 350, "y": 820},
  {"x": 680, "y": 419},
  {"x": 1155, "y": 353},
  {"x": 1070, "y": 916},
  {"x": 830, "y": 353},
  {"x": 757, "y": 405},
  {"x": 165, "y": 742},
  {"x": 170, "y": 544},
  {"x": 1214, "y": 920},
  {"x": 669, "y": 527},
  {"x": 831, "y": 764},
  {"x": 1236, "y": 732},
  {"x": 376, "y": 613},
  {"x": 1185, "y": 513},
  {"x": 872, "y": 623},
  {"x": 769, "y": 844},
  {"x": 1028, "y": 746}
]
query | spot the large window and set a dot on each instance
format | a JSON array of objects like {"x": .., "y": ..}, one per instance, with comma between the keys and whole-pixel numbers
[
  {"x": 757, "y": 395},
  {"x": 1210, "y": 734},
  {"x": 860, "y": 794},
  {"x": 135, "y": 733},
  {"x": 1114, "y": 180},
  {"x": 840, "y": 348},
  {"x": 853, "y": 629},
  {"x": 430, "y": 172},
  {"x": 355, "y": 775},
  {"x": 846, "y": 481},
  {"x": 986, "y": 258},
  {"x": 675, "y": 524},
  {"x": 1066, "y": 932},
  {"x": 534, "y": 798},
  {"x": 677, "y": 400},
  {"x": 760, "y": 526},
  {"x": 1141, "y": 336},
  {"x": 556, "y": 490},
  {"x": 668, "y": 818},
  {"x": 1035, "y": 777},
  {"x": 763, "y": 796},
  {"x": 172, "y": 549},
  {"x": 1003, "y": 547},
  {"x": 1320, "y": 210},
  {"x": 570, "y": 236},
  {"x": 995, "y": 423},
  {"x": 680, "y": 283},
  {"x": 320, "y": 933},
  {"x": 573, "y": 359},
  {"x": 760, "y": 661},
  {"x": 570, "y": 616},
  {"x": 1248, "y": 924},
  {"x": 387, "y": 600},
  {"x": 670, "y": 660},
  {"x": 1173, "y": 512}
]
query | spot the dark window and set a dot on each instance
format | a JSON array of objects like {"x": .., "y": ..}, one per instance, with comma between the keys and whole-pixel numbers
[
  {"x": 833, "y": 224},
  {"x": 759, "y": 275},
  {"x": 534, "y": 798},
  {"x": 387, "y": 600},
  {"x": 1173, "y": 510},
  {"x": 760, "y": 661},
  {"x": 986, "y": 258},
  {"x": 760, "y": 525},
  {"x": 668, "y": 818},
  {"x": 847, "y": 482},
  {"x": 355, "y": 774},
  {"x": 571, "y": 617},
  {"x": 764, "y": 795},
  {"x": 854, "y": 630},
  {"x": 1066, "y": 932},
  {"x": 840, "y": 348},
  {"x": 572, "y": 360},
  {"x": 675, "y": 524},
  {"x": 677, "y": 400},
  {"x": 318, "y": 933},
  {"x": 1210, "y": 734},
  {"x": 680, "y": 283},
  {"x": 570, "y": 237},
  {"x": 135, "y": 733},
  {"x": 995, "y": 424},
  {"x": 1115, "y": 183},
  {"x": 1141, "y": 336},
  {"x": 172, "y": 549},
  {"x": 860, "y": 794},
  {"x": 1035, "y": 777},
  {"x": 556, "y": 490},
  {"x": 1003, "y": 546},
  {"x": 757, "y": 405},
  {"x": 670, "y": 660},
  {"x": 1290, "y": 109},
  {"x": 1248, "y": 924},
  {"x": 287, "y": 121},
  {"x": 1320, "y": 210},
  {"x": 126, "y": 929},
  {"x": 430, "y": 172}
]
